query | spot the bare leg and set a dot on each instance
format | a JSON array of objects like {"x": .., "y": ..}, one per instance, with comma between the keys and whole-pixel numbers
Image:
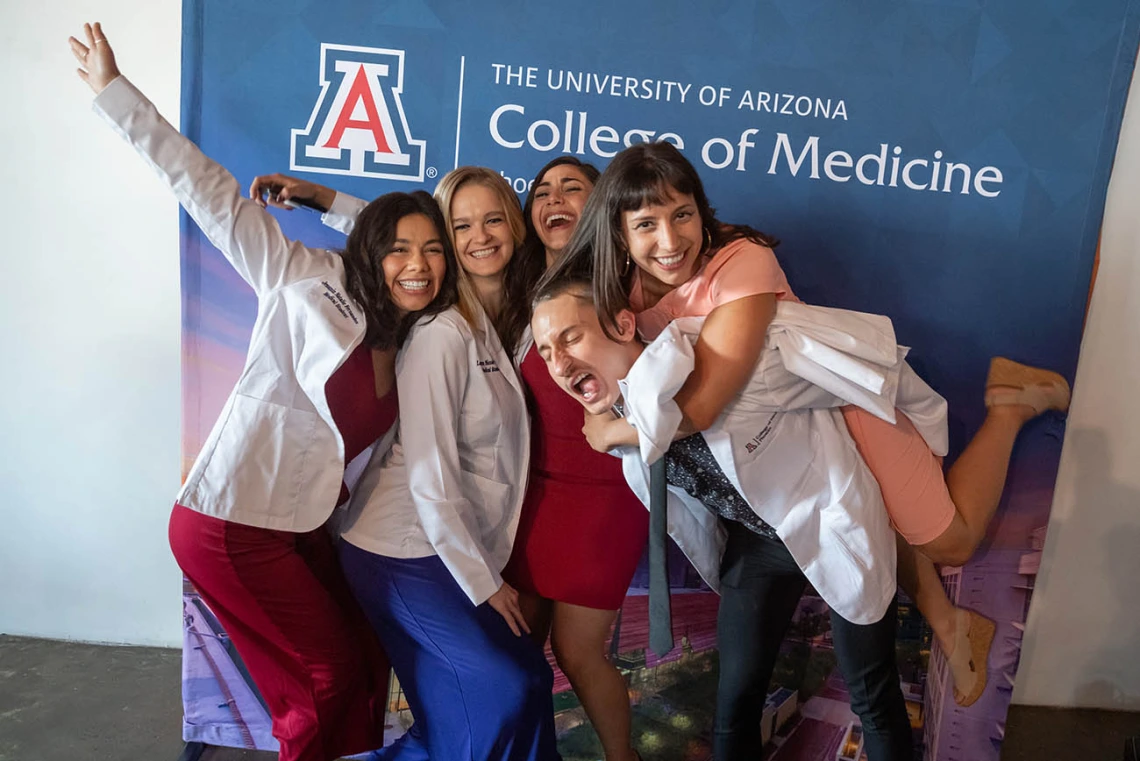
[
  {"x": 947, "y": 513},
  {"x": 977, "y": 478},
  {"x": 920, "y": 580},
  {"x": 964, "y": 636},
  {"x": 537, "y": 611},
  {"x": 1015, "y": 394},
  {"x": 578, "y": 638}
]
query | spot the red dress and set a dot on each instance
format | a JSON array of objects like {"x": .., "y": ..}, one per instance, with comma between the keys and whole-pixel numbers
[
  {"x": 360, "y": 417},
  {"x": 582, "y": 531}
]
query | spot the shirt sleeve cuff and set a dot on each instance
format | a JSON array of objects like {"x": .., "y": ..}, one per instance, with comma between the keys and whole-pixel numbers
[
  {"x": 343, "y": 212},
  {"x": 482, "y": 588},
  {"x": 118, "y": 99}
]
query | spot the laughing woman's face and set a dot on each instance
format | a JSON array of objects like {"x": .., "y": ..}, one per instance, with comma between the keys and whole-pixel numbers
[
  {"x": 559, "y": 197},
  {"x": 665, "y": 239}
]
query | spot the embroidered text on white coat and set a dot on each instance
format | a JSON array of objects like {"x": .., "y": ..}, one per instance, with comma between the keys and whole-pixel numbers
[
  {"x": 755, "y": 442},
  {"x": 339, "y": 301}
]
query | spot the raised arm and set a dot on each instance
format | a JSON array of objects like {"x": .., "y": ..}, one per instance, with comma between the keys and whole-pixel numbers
[
  {"x": 246, "y": 234},
  {"x": 433, "y": 371}
]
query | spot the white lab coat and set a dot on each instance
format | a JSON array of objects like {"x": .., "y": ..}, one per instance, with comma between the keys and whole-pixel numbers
[
  {"x": 800, "y": 470},
  {"x": 274, "y": 458},
  {"x": 453, "y": 483}
]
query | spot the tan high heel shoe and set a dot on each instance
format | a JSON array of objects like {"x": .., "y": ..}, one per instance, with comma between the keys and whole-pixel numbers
[
  {"x": 1011, "y": 382},
  {"x": 968, "y": 663}
]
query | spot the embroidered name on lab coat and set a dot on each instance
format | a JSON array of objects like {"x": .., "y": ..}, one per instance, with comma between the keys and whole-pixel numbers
[
  {"x": 754, "y": 443},
  {"x": 488, "y": 365},
  {"x": 338, "y": 300}
]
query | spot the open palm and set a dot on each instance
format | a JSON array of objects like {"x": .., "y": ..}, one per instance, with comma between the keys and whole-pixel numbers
[{"x": 96, "y": 59}]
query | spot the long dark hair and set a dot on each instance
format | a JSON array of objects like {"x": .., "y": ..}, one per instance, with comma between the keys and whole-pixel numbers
[
  {"x": 642, "y": 175},
  {"x": 574, "y": 268},
  {"x": 368, "y": 243},
  {"x": 529, "y": 262}
]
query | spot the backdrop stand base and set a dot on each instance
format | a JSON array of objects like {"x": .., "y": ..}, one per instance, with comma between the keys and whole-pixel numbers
[{"x": 193, "y": 751}]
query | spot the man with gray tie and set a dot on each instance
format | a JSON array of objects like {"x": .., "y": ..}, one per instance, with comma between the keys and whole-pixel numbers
[{"x": 766, "y": 500}]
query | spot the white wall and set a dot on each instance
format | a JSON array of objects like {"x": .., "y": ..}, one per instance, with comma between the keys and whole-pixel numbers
[
  {"x": 89, "y": 336},
  {"x": 1082, "y": 645}
]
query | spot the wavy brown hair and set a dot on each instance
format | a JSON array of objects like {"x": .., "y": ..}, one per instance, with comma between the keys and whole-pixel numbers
[
  {"x": 643, "y": 175},
  {"x": 368, "y": 244}
]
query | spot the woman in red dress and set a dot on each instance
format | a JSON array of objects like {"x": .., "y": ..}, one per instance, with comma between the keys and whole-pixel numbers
[{"x": 582, "y": 531}]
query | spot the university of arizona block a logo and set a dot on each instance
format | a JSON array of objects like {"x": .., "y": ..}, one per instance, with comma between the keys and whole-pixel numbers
[{"x": 358, "y": 125}]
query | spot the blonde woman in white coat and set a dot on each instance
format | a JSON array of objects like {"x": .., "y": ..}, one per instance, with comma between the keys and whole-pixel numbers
[{"x": 317, "y": 388}]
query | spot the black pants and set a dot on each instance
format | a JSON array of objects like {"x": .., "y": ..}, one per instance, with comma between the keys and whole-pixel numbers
[{"x": 760, "y": 589}]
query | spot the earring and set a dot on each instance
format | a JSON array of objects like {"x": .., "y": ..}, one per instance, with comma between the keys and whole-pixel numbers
[
  {"x": 708, "y": 239},
  {"x": 628, "y": 263}
]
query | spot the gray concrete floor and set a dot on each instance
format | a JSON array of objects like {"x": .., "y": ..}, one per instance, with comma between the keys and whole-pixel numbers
[
  {"x": 1033, "y": 733},
  {"x": 69, "y": 701},
  {"x": 64, "y": 701}
]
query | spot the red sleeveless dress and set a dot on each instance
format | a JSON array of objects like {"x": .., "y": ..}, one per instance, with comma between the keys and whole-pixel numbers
[{"x": 582, "y": 531}]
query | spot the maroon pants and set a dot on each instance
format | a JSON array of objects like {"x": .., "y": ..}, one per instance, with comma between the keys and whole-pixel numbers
[{"x": 284, "y": 603}]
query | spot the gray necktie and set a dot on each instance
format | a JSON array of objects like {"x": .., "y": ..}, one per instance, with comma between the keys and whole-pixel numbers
[{"x": 660, "y": 616}]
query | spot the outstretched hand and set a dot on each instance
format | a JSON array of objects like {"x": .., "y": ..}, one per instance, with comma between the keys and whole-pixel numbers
[
  {"x": 275, "y": 189},
  {"x": 96, "y": 59}
]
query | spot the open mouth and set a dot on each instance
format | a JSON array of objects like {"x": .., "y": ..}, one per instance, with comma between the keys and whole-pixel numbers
[
  {"x": 587, "y": 386},
  {"x": 670, "y": 262},
  {"x": 415, "y": 286},
  {"x": 559, "y": 220},
  {"x": 483, "y": 253}
]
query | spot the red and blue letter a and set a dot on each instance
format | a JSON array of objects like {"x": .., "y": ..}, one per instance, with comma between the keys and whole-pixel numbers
[{"x": 358, "y": 126}]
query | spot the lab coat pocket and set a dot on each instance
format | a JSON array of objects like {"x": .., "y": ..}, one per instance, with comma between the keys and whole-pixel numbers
[
  {"x": 493, "y": 505},
  {"x": 265, "y": 449}
]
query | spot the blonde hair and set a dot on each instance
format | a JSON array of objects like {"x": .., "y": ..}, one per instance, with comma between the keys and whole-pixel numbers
[{"x": 445, "y": 193}]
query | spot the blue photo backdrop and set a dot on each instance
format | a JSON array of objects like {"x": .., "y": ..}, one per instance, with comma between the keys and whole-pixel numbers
[{"x": 944, "y": 163}]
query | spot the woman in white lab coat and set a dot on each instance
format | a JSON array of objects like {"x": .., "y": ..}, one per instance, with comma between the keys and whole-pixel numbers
[
  {"x": 317, "y": 388},
  {"x": 432, "y": 527}
]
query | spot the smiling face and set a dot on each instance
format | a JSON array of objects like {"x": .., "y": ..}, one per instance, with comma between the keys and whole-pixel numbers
[
  {"x": 581, "y": 359},
  {"x": 415, "y": 265},
  {"x": 559, "y": 197},
  {"x": 482, "y": 234},
  {"x": 665, "y": 239}
]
